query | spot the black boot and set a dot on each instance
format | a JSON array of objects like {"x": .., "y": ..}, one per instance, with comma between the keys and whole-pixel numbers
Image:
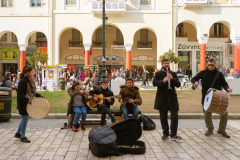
[
  {"x": 17, "y": 135},
  {"x": 25, "y": 140}
]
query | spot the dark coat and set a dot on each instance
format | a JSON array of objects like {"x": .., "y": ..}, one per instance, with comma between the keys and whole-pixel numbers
[
  {"x": 166, "y": 99},
  {"x": 207, "y": 78},
  {"x": 127, "y": 93},
  {"x": 106, "y": 93},
  {"x": 72, "y": 93},
  {"x": 22, "y": 100}
]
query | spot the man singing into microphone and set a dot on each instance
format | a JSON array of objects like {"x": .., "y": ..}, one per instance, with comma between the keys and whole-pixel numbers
[{"x": 166, "y": 99}]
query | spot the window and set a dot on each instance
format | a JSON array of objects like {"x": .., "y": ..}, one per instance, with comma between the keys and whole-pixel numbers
[
  {"x": 218, "y": 30},
  {"x": 36, "y": 3},
  {"x": 99, "y": 35},
  {"x": 70, "y": 2},
  {"x": 41, "y": 37},
  {"x": 75, "y": 35},
  {"x": 179, "y": 31},
  {"x": 144, "y": 35},
  {"x": 7, "y": 3},
  {"x": 14, "y": 38},
  {"x": 4, "y": 38},
  {"x": 146, "y": 2},
  {"x": 119, "y": 36},
  {"x": 143, "y": 58}
]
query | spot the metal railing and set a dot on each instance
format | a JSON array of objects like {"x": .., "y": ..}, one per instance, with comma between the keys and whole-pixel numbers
[
  {"x": 75, "y": 44},
  {"x": 109, "y": 6},
  {"x": 143, "y": 44}
]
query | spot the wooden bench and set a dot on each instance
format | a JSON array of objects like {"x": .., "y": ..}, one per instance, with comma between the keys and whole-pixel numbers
[{"x": 115, "y": 111}]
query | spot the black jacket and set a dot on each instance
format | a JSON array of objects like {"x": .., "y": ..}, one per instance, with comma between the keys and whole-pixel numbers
[
  {"x": 22, "y": 100},
  {"x": 207, "y": 78},
  {"x": 106, "y": 93},
  {"x": 166, "y": 99}
]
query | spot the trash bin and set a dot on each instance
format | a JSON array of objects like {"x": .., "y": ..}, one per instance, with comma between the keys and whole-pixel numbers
[
  {"x": 62, "y": 84},
  {"x": 5, "y": 103}
]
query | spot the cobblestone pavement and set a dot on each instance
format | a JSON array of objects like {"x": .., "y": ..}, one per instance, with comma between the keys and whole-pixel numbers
[{"x": 53, "y": 143}]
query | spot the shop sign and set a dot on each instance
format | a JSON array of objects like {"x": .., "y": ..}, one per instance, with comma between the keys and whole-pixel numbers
[
  {"x": 197, "y": 47},
  {"x": 108, "y": 63},
  {"x": 183, "y": 58},
  {"x": 9, "y": 53},
  {"x": 41, "y": 44}
]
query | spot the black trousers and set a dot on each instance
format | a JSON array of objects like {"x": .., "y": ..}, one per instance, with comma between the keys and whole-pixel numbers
[
  {"x": 105, "y": 110},
  {"x": 164, "y": 122}
]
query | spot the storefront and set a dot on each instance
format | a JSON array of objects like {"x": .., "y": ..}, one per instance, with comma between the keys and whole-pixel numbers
[
  {"x": 9, "y": 59},
  {"x": 189, "y": 54}
]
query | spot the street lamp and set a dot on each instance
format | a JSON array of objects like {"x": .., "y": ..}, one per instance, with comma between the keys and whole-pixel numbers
[{"x": 103, "y": 43}]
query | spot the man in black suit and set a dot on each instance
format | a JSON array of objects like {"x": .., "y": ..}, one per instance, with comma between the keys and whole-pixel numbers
[{"x": 166, "y": 99}]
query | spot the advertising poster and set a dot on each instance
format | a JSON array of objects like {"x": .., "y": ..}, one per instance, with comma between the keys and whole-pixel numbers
[{"x": 9, "y": 53}]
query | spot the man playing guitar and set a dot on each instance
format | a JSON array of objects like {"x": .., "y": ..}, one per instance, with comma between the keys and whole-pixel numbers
[{"x": 105, "y": 107}]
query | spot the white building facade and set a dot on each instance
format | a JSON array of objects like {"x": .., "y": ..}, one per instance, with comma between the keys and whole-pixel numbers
[{"x": 137, "y": 32}]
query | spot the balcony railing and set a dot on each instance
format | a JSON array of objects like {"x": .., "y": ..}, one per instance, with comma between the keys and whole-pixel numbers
[
  {"x": 117, "y": 43},
  {"x": 194, "y": 3},
  {"x": 142, "y": 44},
  {"x": 75, "y": 43},
  {"x": 118, "y": 7}
]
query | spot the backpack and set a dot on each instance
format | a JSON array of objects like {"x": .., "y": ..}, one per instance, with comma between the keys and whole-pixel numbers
[
  {"x": 148, "y": 123},
  {"x": 103, "y": 141}
]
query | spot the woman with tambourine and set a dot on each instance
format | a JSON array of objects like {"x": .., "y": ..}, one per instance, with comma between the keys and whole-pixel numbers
[{"x": 26, "y": 90}]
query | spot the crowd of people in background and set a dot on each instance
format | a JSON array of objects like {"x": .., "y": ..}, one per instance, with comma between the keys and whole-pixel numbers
[{"x": 137, "y": 74}]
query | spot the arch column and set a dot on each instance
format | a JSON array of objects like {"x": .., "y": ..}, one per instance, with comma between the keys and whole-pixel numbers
[
  {"x": 87, "y": 47},
  {"x": 202, "y": 41},
  {"x": 22, "y": 48},
  {"x": 128, "y": 56},
  {"x": 236, "y": 42}
]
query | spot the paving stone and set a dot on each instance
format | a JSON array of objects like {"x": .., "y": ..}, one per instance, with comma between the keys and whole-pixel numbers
[
  {"x": 48, "y": 155},
  {"x": 40, "y": 152},
  {"x": 61, "y": 151},
  {"x": 13, "y": 158},
  {"x": 71, "y": 156},
  {"x": 58, "y": 158}
]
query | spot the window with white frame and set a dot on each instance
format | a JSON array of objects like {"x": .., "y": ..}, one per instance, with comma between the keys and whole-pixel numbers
[
  {"x": 6, "y": 3},
  {"x": 146, "y": 2},
  {"x": 36, "y": 3},
  {"x": 70, "y": 2}
]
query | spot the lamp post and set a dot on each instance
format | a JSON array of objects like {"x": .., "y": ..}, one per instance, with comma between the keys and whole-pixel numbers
[{"x": 103, "y": 44}]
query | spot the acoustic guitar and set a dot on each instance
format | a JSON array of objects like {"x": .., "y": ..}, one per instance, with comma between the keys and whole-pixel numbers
[{"x": 100, "y": 98}]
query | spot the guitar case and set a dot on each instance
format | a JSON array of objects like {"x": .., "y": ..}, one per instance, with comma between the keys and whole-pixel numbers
[{"x": 128, "y": 132}]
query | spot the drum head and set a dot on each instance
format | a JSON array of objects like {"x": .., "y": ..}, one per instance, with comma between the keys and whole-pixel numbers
[
  {"x": 208, "y": 99},
  {"x": 39, "y": 108}
]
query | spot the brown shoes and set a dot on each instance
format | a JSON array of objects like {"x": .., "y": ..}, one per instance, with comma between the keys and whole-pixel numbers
[
  {"x": 224, "y": 134},
  {"x": 208, "y": 132}
]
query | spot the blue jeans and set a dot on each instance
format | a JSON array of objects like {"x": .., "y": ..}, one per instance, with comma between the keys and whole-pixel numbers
[
  {"x": 23, "y": 125},
  {"x": 82, "y": 110},
  {"x": 124, "y": 110}
]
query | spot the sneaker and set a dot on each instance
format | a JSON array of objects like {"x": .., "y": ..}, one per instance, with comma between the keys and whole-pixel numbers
[
  {"x": 224, "y": 134},
  {"x": 176, "y": 138},
  {"x": 25, "y": 140},
  {"x": 82, "y": 127},
  {"x": 208, "y": 132},
  {"x": 164, "y": 137},
  {"x": 17, "y": 135},
  {"x": 74, "y": 128},
  {"x": 114, "y": 122}
]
